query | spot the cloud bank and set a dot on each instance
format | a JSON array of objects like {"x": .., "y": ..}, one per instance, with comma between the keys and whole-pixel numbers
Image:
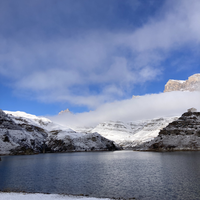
[{"x": 144, "y": 107}]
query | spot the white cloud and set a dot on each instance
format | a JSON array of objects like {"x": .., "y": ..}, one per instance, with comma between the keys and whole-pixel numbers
[
  {"x": 177, "y": 26},
  {"x": 144, "y": 107},
  {"x": 65, "y": 68},
  {"x": 50, "y": 79}
]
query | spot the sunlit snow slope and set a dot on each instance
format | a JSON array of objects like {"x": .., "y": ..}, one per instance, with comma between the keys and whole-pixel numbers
[{"x": 129, "y": 134}]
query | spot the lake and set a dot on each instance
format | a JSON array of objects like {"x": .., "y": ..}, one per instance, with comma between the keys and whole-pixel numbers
[{"x": 127, "y": 174}]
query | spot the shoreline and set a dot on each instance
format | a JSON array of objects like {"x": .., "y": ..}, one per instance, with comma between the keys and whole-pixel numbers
[
  {"x": 88, "y": 151},
  {"x": 44, "y": 196}
]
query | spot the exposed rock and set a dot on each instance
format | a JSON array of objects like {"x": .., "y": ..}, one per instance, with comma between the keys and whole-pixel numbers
[
  {"x": 135, "y": 96},
  {"x": 192, "y": 84},
  {"x": 64, "y": 111},
  {"x": 192, "y": 110},
  {"x": 182, "y": 134},
  {"x": 87, "y": 142}
]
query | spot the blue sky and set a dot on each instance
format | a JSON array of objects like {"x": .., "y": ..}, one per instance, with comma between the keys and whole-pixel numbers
[{"x": 81, "y": 54}]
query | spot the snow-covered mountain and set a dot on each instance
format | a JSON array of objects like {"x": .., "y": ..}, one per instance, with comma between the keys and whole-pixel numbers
[
  {"x": 181, "y": 134},
  {"x": 22, "y": 133},
  {"x": 19, "y": 136},
  {"x": 130, "y": 134}
]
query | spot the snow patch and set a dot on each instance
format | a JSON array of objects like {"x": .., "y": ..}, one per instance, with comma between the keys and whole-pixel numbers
[{"x": 38, "y": 196}]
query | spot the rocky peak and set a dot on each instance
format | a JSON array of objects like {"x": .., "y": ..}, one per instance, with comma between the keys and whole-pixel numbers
[
  {"x": 64, "y": 111},
  {"x": 192, "y": 110},
  {"x": 192, "y": 84}
]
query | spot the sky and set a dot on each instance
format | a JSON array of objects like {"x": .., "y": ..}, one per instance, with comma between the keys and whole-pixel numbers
[{"x": 88, "y": 55}]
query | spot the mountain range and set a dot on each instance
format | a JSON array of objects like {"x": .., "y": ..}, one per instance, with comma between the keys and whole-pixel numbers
[
  {"x": 22, "y": 133},
  {"x": 130, "y": 134}
]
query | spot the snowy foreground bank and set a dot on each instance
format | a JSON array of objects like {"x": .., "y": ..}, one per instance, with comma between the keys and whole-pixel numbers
[{"x": 38, "y": 196}]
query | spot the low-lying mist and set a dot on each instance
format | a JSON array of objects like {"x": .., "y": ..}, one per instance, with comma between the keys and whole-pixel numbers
[{"x": 139, "y": 108}]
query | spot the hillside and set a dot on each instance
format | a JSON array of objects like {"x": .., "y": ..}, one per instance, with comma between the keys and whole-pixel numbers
[{"x": 22, "y": 133}]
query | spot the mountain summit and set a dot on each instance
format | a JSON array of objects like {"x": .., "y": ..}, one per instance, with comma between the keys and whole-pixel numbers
[
  {"x": 64, "y": 111},
  {"x": 192, "y": 84}
]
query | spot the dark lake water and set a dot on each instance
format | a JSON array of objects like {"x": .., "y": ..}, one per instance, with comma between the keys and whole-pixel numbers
[{"x": 127, "y": 174}]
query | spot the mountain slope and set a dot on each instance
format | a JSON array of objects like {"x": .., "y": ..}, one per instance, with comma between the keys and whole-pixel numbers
[
  {"x": 20, "y": 137},
  {"x": 130, "y": 134},
  {"x": 22, "y": 133}
]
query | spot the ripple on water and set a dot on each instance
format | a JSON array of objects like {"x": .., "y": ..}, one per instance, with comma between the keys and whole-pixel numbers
[{"x": 127, "y": 174}]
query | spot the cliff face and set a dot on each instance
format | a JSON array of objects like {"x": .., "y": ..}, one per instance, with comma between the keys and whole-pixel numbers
[
  {"x": 192, "y": 84},
  {"x": 182, "y": 134}
]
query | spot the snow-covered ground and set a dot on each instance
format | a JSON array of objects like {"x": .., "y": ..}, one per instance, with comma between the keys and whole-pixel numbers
[{"x": 38, "y": 196}]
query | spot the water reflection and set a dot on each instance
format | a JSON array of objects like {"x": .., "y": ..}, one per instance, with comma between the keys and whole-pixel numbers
[{"x": 143, "y": 175}]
